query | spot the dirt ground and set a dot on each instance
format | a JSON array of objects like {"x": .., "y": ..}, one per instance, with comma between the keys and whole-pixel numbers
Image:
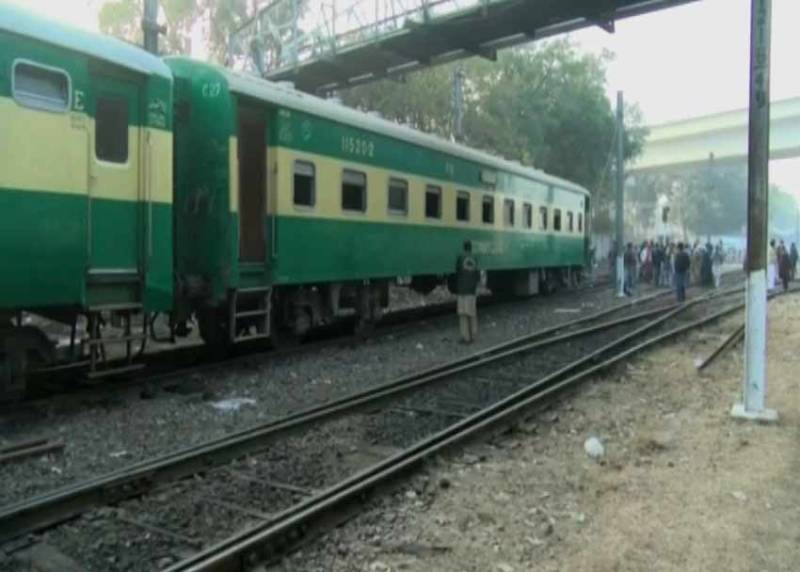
[{"x": 681, "y": 485}]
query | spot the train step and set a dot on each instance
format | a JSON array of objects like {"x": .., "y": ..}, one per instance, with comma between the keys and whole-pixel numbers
[{"x": 260, "y": 315}]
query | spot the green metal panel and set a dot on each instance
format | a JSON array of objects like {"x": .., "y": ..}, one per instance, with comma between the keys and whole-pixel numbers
[
  {"x": 206, "y": 235},
  {"x": 314, "y": 250},
  {"x": 43, "y": 249}
]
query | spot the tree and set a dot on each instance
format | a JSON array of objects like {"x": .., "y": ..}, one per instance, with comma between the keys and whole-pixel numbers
[
  {"x": 122, "y": 18},
  {"x": 784, "y": 215},
  {"x": 544, "y": 106}
]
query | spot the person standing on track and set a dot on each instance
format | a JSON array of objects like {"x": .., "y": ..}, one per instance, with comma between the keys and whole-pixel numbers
[
  {"x": 793, "y": 259},
  {"x": 784, "y": 266},
  {"x": 772, "y": 266},
  {"x": 658, "y": 262},
  {"x": 468, "y": 276},
  {"x": 682, "y": 265},
  {"x": 716, "y": 265},
  {"x": 629, "y": 262}
]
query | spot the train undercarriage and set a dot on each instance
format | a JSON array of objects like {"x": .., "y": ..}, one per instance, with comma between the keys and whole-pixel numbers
[{"x": 110, "y": 341}]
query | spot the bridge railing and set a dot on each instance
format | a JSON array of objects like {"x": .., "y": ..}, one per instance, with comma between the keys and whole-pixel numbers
[{"x": 283, "y": 34}]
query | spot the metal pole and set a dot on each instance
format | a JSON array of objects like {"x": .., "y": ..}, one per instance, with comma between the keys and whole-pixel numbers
[
  {"x": 755, "y": 381},
  {"x": 295, "y": 40},
  {"x": 150, "y": 26},
  {"x": 620, "y": 195},
  {"x": 458, "y": 103}
]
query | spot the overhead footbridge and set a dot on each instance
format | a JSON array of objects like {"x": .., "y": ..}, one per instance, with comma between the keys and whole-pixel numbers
[
  {"x": 721, "y": 137},
  {"x": 328, "y": 45}
]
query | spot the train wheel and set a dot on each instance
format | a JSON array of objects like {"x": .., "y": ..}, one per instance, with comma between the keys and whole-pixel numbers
[
  {"x": 364, "y": 328},
  {"x": 281, "y": 336},
  {"x": 22, "y": 350},
  {"x": 213, "y": 327},
  {"x": 13, "y": 375}
]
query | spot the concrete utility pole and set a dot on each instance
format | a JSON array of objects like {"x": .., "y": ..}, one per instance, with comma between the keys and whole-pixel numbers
[
  {"x": 150, "y": 26},
  {"x": 620, "y": 195},
  {"x": 755, "y": 380}
]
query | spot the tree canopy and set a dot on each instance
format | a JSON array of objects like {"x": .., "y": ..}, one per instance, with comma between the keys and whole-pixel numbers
[
  {"x": 122, "y": 18},
  {"x": 707, "y": 200}
]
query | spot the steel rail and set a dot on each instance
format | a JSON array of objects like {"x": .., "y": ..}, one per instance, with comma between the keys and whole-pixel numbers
[
  {"x": 245, "y": 549},
  {"x": 730, "y": 340},
  {"x": 51, "y": 508}
]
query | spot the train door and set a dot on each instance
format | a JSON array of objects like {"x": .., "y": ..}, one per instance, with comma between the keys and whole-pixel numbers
[
  {"x": 252, "y": 143},
  {"x": 114, "y": 179}
]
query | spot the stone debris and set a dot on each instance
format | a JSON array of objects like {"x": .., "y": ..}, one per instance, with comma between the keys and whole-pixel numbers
[
  {"x": 594, "y": 448},
  {"x": 232, "y": 404},
  {"x": 46, "y": 558}
]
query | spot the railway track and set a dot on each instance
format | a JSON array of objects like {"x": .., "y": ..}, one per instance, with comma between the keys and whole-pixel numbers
[
  {"x": 257, "y": 477},
  {"x": 267, "y": 540},
  {"x": 165, "y": 366}
]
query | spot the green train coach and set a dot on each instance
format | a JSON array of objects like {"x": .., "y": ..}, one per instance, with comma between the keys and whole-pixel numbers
[
  {"x": 309, "y": 208},
  {"x": 132, "y": 185},
  {"x": 85, "y": 186}
]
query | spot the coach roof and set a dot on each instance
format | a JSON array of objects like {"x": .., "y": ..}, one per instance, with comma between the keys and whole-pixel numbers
[{"x": 24, "y": 23}]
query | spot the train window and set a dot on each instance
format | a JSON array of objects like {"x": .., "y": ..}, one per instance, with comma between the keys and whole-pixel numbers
[
  {"x": 527, "y": 215},
  {"x": 111, "y": 129},
  {"x": 488, "y": 210},
  {"x": 354, "y": 191},
  {"x": 462, "y": 206},
  {"x": 433, "y": 202},
  {"x": 398, "y": 196},
  {"x": 570, "y": 221},
  {"x": 40, "y": 87},
  {"x": 580, "y": 222},
  {"x": 508, "y": 212},
  {"x": 557, "y": 219},
  {"x": 543, "y": 218},
  {"x": 305, "y": 191}
]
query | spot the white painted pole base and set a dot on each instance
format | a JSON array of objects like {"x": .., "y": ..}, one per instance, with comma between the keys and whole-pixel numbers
[
  {"x": 755, "y": 379},
  {"x": 764, "y": 416},
  {"x": 620, "y": 277}
]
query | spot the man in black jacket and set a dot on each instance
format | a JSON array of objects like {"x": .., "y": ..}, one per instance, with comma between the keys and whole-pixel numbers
[
  {"x": 468, "y": 276},
  {"x": 658, "y": 261},
  {"x": 682, "y": 265}
]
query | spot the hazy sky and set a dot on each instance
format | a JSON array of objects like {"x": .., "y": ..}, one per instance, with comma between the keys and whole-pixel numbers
[{"x": 683, "y": 62}]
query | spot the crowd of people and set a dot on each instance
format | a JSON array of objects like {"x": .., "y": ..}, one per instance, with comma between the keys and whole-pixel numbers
[
  {"x": 678, "y": 265},
  {"x": 671, "y": 264}
]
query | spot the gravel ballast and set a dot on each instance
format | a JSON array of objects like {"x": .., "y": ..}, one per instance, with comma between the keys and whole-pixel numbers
[{"x": 110, "y": 430}]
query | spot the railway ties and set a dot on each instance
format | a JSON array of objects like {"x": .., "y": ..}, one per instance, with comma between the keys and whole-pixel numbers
[
  {"x": 264, "y": 542},
  {"x": 316, "y": 449}
]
